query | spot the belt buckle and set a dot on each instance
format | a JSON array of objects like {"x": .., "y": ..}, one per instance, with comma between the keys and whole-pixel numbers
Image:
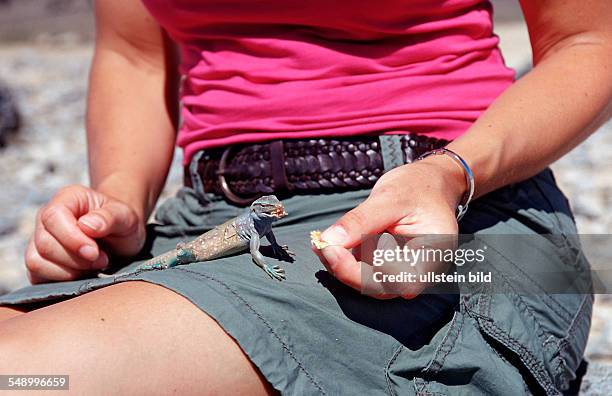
[{"x": 225, "y": 188}]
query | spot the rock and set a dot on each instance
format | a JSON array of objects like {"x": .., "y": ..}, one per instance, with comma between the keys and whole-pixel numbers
[
  {"x": 598, "y": 380},
  {"x": 589, "y": 205},
  {"x": 9, "y": 116},
  {"x": 8, "y": 225}
]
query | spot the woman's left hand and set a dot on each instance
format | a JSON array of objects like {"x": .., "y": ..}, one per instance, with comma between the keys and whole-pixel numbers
[{"x": 415, "y": 199}]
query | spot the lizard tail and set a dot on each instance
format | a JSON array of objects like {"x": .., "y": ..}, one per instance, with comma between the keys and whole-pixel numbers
[
  {"x": 166, "y": 260},
  {"x": 163, "y": 262}
]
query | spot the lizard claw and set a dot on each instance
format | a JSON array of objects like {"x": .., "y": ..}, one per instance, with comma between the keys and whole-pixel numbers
[
  {"x": 282, "y": 250},
  {"x": 286, "y": 250},
  {"x": 275, "y": 272}
]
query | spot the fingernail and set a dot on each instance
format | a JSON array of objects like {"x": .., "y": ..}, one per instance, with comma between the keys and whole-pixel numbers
[
  {"x": 93, "y": 222},
  {"x": 101, "y": 263},
  {"x": 88, "y": 252},
  {"x": 335, "y": 235}
]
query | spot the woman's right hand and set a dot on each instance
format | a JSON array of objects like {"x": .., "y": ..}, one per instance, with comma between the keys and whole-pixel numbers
[{"x": 75, "y": 233}]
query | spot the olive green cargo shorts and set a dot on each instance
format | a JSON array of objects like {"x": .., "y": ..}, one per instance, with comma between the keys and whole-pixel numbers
[{"x": 313, "y": 335}]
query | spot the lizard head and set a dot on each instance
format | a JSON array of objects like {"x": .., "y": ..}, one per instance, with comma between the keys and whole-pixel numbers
[{"x": 268, "y": 206}]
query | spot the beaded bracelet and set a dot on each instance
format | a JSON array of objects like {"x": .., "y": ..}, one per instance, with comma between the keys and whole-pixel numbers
[{"x": 469, "y": 177}]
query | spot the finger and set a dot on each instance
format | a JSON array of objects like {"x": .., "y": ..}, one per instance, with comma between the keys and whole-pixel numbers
[
  {"x": 114, "y": 218},
  {"x": 60, "y": 222},
  {"x": 356, "y": 274},
  {"x": 34, "y": 279},
  {"x": 118, "y": 226},
  {"x": 372, "y": 216},
  {"x": 50, "y": 249},
  {"x": 41, "y": 270},
  {"x": 342, "y": 264},
  {"x": 320, "y": 256}
]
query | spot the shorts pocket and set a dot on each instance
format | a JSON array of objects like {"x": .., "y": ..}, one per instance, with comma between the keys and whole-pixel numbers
[
  {"x": 545, "y": 350},
  {"x": 410, "y": 371},
  {"x": 458, "y": 361}
]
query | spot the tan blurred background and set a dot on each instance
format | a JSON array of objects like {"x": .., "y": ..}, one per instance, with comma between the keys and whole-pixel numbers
[{"x": 45, "y": 50}]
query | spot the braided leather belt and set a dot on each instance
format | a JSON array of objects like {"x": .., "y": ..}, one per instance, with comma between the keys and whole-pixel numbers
[{"x": 285, "y": 167}]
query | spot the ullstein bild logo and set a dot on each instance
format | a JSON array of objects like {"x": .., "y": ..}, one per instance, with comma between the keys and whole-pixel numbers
[{"x": 432, "y": 277}]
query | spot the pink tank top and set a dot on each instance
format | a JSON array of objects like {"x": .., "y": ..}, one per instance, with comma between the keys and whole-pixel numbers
[{"x": 263, "y": 69}]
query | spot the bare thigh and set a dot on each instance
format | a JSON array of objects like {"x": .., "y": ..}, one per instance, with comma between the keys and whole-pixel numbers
[
  {"x": 9, "y": 313},
  {"x": 129, "y": 338}
]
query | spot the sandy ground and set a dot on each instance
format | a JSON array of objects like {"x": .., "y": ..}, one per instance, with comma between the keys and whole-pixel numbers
[{"x": 48, "y": 74}]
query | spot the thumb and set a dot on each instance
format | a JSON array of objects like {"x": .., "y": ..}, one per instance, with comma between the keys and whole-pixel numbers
[
  {"x": 112, "y": 219},
  {"x": 372, "y": 216}
]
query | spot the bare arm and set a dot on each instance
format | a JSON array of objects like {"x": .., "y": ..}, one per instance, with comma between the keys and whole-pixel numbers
[
  {"x": 535, "y": 121},
  {"x": 566, "y": 96},
  {"x": 131, "y": 121},
  {"x": 132, "y": 105}
]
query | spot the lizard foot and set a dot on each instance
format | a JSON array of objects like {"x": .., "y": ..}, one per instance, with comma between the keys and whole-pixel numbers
[
  {"x": 286, "y": 250},
  {"x": 275, "y": 272},
  {"x": 282, "y": 251}
]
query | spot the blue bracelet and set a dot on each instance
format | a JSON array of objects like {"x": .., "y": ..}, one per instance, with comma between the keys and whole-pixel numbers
[{"x": 469, "y": 177}]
